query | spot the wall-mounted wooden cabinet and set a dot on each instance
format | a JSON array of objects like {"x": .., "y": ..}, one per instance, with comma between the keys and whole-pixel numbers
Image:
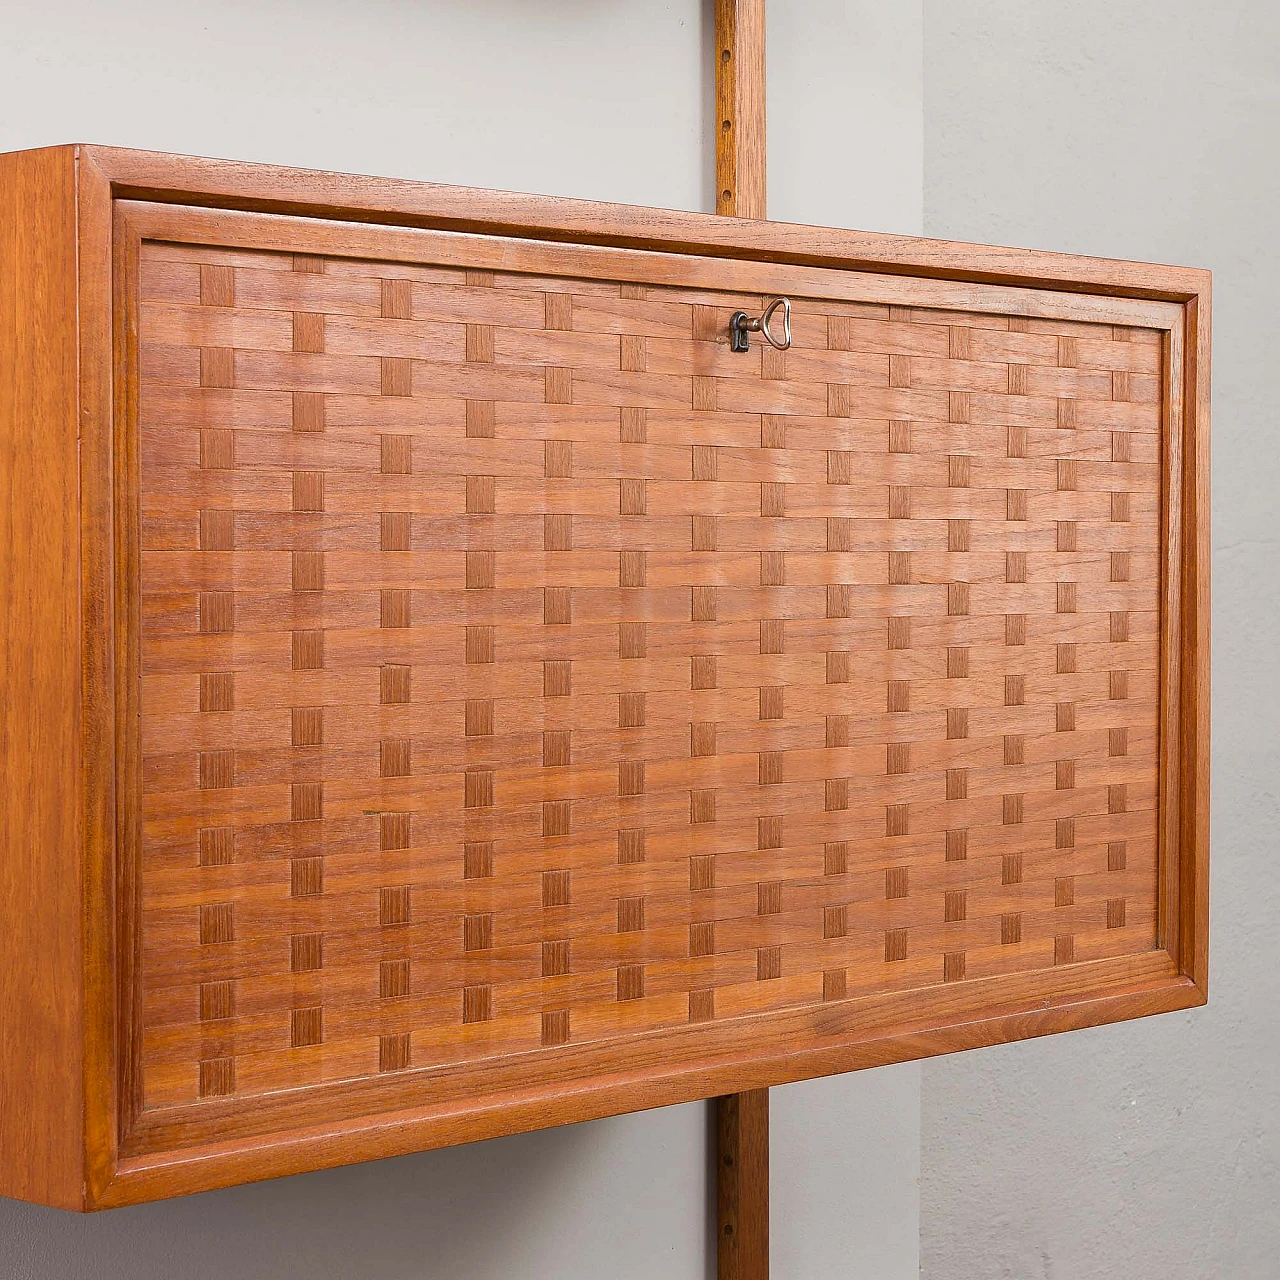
[{"x": 448, "y": 691}]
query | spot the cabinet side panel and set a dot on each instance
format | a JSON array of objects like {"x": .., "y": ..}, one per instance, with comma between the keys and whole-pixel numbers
[
  {"x": 40, "y": 830},
  {"x": 99, "y": 721}
]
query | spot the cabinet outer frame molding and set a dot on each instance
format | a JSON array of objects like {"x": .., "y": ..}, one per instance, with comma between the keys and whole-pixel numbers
[{"x": 77, "y": 1129}]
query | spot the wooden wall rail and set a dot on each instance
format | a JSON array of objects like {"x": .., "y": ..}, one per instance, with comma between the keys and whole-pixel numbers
[
  {"x": 742, "y": 1119},
  {"x": 740, "y": 100},
  {"x": 742, "y": 1134}
]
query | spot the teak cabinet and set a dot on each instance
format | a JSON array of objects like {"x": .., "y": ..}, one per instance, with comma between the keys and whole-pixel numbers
[{"x": 447, "y": 691}]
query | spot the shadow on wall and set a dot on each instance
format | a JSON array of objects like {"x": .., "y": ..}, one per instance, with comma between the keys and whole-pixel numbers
[{"x": 558, "y": 1203}]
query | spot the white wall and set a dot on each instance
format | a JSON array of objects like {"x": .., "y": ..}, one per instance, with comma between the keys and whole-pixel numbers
[
  {"x": 845, "y": 113},
  {"x": 600, "y": 98},
  {"x": 1147, "y": 129},
  {"x": 567, "y": 97}
]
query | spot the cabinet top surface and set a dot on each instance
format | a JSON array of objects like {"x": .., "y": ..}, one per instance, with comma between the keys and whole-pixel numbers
[{"x": 228, "y": 183}]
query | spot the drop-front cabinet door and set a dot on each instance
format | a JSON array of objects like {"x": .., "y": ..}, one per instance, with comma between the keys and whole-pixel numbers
[{"x": 528, "y": 695}]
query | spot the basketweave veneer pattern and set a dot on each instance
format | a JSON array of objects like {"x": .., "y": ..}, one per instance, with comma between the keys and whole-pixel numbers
[{"x": 521, "y": 669}]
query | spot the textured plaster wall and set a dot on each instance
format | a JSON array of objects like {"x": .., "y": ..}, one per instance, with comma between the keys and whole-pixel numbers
[
  {"x": 607, "y": 99},
  {"x": 1145, "y": 129}
]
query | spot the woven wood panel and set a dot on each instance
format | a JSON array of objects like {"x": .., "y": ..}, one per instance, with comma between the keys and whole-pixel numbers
[{"x": 523, "y": 671}]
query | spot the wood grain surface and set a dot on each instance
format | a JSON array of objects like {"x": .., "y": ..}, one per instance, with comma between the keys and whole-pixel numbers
[
  {"x": 483, "y": 701},
  {"x": 521, "y": 669},
  {"x": 741, "y": 191},
  {"x": 741, "y": 181},
  {"x": 41, "y": 822},
  {"x": 229, "y": 184},
  {"x": 742, "y": 1213}
]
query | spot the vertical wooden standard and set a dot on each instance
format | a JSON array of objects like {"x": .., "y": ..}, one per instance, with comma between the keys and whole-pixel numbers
[
  {"x": 742, "y": 1216},
  {"x": 742, "y": 1119},
  {"x": 740, "y": 135}
]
